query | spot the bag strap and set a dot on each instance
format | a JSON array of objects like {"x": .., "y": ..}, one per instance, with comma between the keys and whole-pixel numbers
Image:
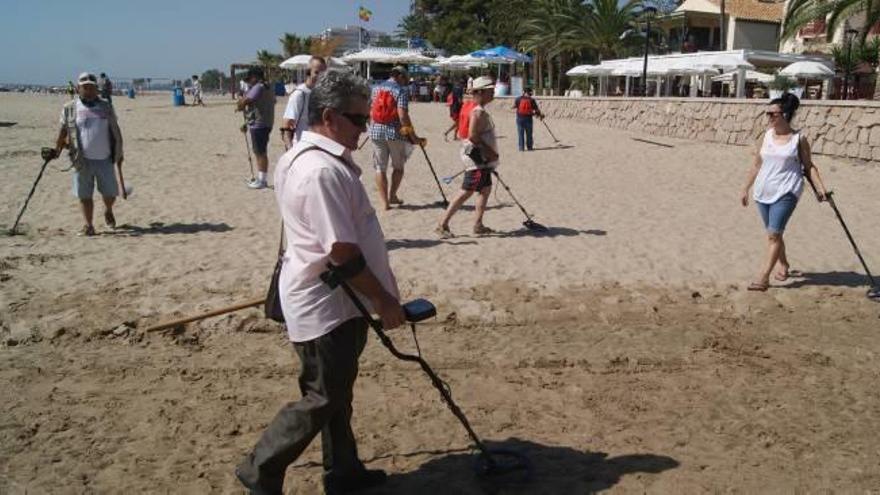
[{"x": 300, "y": 153}]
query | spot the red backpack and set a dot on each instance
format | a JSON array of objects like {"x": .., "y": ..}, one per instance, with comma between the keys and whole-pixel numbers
[
  {"x": 464, "y": 119},
  {"x": 384, "y": 108},
  {"x": 525, "y": 107}
]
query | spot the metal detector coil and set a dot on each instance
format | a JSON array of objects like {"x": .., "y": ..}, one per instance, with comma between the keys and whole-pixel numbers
[{"x": 501, "y": 465}]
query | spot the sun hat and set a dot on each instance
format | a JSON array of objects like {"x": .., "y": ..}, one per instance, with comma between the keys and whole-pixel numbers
[
  {"x": 87, "y": 78},
  {"x": 483, "y": 82},
  {"x": 399, "y": 69}
]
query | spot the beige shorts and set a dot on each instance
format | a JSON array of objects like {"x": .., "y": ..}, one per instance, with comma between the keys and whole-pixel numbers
[{"x": 397, "y": 152}]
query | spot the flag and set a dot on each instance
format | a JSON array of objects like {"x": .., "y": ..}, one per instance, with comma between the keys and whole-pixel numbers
[{"x": 364, "y": 13}]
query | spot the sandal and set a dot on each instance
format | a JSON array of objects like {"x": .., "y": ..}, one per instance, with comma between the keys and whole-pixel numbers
[
  {"x": 86, "y": 231},
  {"x": 110, "y": 219},
  {"x": 444, "y": 232},
  {"x": 482, "y": 229},
  {"x": 758, "y": 286}
]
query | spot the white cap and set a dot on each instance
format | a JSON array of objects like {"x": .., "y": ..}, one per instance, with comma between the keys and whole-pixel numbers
[
  {"x": 483, "y": 82},
  {"x": 87, "y": 78}
]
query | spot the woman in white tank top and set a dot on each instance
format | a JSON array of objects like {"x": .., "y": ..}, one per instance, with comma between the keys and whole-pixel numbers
[{"x": 782, "y": 158}]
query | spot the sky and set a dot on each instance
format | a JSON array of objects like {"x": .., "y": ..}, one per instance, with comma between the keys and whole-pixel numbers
[{"x": 52, "y": 41}]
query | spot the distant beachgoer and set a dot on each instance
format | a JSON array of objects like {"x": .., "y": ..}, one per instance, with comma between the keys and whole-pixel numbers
[
  {"x": 782, "y": 159},
  {"x": 105, "y": 86},
  {"x": 243, "y": 87},
  {"x": 71, "y": 89},
  {"x": 455, "y": 100},
  {"x": 479, "y": 153},
  {"x": 392, "y": 133},
  {"x": 296, "y": 114},
  {"x": 197, "y": 91},
  {"x": 526, "y": 107},
  {"x": 259, "y": 103},
  {"x": 90, "y": 131}
]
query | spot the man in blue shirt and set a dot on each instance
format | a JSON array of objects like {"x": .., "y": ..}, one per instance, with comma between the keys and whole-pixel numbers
[{"x": 526, "y": 107}]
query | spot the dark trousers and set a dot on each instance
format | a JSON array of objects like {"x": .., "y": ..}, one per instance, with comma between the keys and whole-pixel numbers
[
  {"x": 329, "y": 370},
  {"x": 524, "y": 132}
]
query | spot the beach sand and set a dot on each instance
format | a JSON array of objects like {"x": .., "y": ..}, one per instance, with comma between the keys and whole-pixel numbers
[{"x": 620, "y": 351}]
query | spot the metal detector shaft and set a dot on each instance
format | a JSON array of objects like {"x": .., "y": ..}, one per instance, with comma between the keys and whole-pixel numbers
[
  {"x": 29, "y": 196},
  {"x": 849, "y": 236},
  {"x": 434, "y": 173},
  {"x": 548, "y": 130},
  {"x": 511, "y": 195},
  {"x": 435, "y": 380},
  {"x": 247, "y": 146},
  {"x": 364, "y": 142}
]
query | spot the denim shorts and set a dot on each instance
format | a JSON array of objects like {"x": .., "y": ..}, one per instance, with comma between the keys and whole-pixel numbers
[
  {"x": 260, "y": 140},
  {"x": 101, "y": 171},
  {"x": 776, "y": 215}
]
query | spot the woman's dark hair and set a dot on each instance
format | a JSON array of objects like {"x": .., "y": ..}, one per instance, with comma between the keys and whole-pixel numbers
[{"x": 789, "y": 104}]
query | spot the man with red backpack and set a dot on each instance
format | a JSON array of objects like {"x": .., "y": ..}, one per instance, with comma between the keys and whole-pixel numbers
[
  {"x": 526, "y": 107},
  {"x": 392, "y": 133}
]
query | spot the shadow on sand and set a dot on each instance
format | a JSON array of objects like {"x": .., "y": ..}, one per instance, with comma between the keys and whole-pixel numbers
[
  {"x": 829, "y": 279},
  {"x": 555, "y": 469},
  {"x": 393, "y": 244},
  {"x": 551, "y": 232},
  {"x": 551, "y": 148},
  {"x": 172, "y": 228}
]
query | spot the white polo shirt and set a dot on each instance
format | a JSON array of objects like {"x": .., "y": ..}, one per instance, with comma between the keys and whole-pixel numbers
[
  {"x": 323, "y": 202},
  {"x": 297, "y": 109}
]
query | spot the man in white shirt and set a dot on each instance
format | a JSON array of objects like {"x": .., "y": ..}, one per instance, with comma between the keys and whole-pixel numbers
[
  {"x": 90, "y": 131},
  {"x": 327, "y": 218},
  {"x": 296, "y": 114}
]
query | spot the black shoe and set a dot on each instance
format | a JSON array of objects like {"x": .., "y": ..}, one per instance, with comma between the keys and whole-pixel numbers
[
  {"x": 255, "y": 489},
  {"x": 368, "y": 478}
]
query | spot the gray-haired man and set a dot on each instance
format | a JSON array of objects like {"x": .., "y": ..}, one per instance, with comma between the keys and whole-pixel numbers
[{"x": 327, "y": 219}]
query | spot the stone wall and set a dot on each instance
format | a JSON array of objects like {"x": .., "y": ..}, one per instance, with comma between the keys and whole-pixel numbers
[{"x": 835, "y": 128}]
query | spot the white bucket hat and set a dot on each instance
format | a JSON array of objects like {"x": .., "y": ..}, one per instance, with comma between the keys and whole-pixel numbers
[{"x": 483, "y": 82}]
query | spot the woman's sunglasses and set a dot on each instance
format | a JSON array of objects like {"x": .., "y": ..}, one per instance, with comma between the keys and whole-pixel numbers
[
  {"x": 357, "y": 119},
  {"x": 773, "y": 114}
]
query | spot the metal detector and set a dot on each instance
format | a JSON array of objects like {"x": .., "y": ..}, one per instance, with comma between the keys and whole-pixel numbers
[
  {"x": 492, "y": 462},
  {"x": 874, "y": 292},
  {"x": 529, "y": 223},
  {"x": 364, "y": 142},
  {"x": 444, "y": 202},
  {"x": 551, "y": 132},
  {"x": 247, "y": 145},
  {"x": 48, "y": 154},
  {"x": 448, "y": 180}
]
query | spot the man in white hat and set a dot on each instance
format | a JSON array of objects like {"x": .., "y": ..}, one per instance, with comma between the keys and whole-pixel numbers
[
  {"x": 479, "y": 153},
  {"x": 90, "y": 131}
]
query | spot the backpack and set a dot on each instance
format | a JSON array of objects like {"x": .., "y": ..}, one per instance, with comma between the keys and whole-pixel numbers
[
  {"x": 464, "y": 119},
  {"x": 384, "y": 107},
  {"x": 524, "y": 109}
]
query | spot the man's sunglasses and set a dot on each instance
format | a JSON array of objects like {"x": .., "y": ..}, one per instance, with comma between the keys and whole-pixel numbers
[{"x": 357, "y": 119}]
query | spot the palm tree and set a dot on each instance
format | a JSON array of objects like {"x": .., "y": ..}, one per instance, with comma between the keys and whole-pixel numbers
[
  {"x": 270, "y": 62},
  {"x": 601, "y": 28},
  {"x": 291, "y": 45}
]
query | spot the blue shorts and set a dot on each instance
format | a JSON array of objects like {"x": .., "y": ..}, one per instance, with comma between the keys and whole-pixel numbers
[
  {"x": 101, "y": 171},
  {"x": 260, "y": 140},
  {"x": 776, "y": 215}
]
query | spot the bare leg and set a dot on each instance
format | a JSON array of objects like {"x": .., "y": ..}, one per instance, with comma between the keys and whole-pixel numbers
[
  {"x": 382, "y": 186},
  {"x": 88, "y": 207},
  {"x": 396, "y": 178},
  {"x": 783, "y": 260},
  {"x": 774, "y": 247},
  {"x": 482, "y": 201},
  {"x": 454, "y": 206},
  {"x": 262, "y": 163}
]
